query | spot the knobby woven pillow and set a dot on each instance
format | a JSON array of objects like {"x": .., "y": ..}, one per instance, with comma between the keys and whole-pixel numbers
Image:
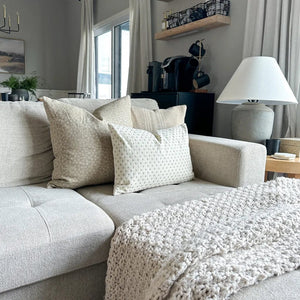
[
  {"x": 81, "y": 142},
  {"x": 152, "y": 120},
  {"x": 144, "y": 160}
]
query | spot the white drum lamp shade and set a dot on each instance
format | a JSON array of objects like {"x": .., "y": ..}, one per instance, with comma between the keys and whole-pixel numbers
[{"x": 257, "y": 81}]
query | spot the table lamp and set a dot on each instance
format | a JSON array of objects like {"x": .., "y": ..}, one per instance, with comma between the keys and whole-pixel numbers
[{"x": 257, "y": 81}]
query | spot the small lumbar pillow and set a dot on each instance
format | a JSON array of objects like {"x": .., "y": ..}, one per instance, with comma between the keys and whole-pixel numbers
[
  {"x": 152, "y": 120},
  {"x": 81, "y": 143},
  {"x": 144, "y": 160}
]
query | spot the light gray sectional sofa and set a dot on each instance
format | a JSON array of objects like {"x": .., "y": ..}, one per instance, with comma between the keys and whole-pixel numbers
[{"x": 54, "y": 243}]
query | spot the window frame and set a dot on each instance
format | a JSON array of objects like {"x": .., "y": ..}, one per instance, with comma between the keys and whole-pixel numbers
[{"x": 101, "y": 28}]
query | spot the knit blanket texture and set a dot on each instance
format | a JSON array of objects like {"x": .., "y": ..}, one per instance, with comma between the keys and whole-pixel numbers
[{"x": 208, "y": 248}]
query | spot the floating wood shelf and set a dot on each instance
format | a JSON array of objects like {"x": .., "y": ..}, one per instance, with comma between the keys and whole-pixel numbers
[{"x": 203, "y": 24}]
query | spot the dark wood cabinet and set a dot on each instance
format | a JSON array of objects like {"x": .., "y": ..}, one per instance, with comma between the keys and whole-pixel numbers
[{"x": 200, "y": 107}]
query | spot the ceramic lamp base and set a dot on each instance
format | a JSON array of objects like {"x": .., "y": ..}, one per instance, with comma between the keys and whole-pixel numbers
[{"x": 252, "y": 122}]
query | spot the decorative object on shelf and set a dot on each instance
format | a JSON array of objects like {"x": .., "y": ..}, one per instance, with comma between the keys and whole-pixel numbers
[
  {"x": 198, "y": 12},
  {"x": 21, "y": 86},
  {"x": 164, "y": 21},
  {"x": 6, "y": 27},
  {"x": 200, "y": 79},
  {"x": 12, "y": 56},
  {"x": 257, "y": 81},
  {"x": 203, "y": 24},
  {"x": 217, "y": 7}
]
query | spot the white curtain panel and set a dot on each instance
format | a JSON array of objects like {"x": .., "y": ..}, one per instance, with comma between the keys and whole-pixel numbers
[
  {"x": 86, "y": 62},
  {"x": 273, "y": 29},
  {"x": 140, "y": 44}
]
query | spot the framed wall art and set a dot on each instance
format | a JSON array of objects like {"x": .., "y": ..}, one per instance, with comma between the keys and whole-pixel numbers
[{"x": 12, "y": 56}]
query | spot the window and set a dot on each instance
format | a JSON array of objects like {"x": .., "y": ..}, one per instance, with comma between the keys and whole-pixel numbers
[{"x": 112, "y": 56}]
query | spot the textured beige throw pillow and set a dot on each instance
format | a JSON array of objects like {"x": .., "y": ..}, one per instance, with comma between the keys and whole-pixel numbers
[
  {"x": 151, "y": 120},
  {"x": 144, "y": 160},
  {"x": 117, "y": 112},
  {"x": 81, "y": 144}
]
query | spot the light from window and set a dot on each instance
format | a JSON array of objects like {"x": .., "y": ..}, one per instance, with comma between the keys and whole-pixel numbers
[
  {"x": 103, "y": 74},
  {"x": 112, "y": 61},
  {"x": 124, "y": 57}
]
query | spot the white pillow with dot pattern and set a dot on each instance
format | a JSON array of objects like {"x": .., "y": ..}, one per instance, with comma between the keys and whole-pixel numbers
[{"x": 144, "y": 160}]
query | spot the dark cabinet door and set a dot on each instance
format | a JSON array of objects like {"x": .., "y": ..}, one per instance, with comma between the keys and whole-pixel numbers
[{"x": 200, "y": 107}]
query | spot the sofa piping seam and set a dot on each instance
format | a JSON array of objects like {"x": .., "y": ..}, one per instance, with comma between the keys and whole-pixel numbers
[{"x": 40, "y": 214}]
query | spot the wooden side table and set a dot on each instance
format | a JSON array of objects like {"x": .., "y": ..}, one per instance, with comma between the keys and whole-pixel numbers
[{"x": 289, "y": 167}]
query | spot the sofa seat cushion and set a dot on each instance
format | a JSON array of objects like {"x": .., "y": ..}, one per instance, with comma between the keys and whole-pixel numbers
[
  {"x": 123, "y": 207},
  {"x": 48, "y": 232}
]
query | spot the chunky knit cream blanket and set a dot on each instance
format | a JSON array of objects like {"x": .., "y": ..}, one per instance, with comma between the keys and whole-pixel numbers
[{"x": 209, "y": 248}]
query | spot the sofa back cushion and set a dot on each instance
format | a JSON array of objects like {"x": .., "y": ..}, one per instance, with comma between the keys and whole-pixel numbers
[
  {"x": 25, "y": 144},
  {"x": 91, "y": 104}
]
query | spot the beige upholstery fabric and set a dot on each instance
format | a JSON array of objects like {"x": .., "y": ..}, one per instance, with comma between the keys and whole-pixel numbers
[
  {"x": 162, "y": 118},
  {"x": 45, "y": 233},
  {"x": 284, "y": 287},
  {"x": 92, "y": 104},
  {"x": 25, "y": 144},
  {"x": 81, "y": 144},
  {"x": 227, "y": 162},
  {"x": 143, "y": 160},
  {"x": 84, "y": 284},
  {"x": 145, "y": 103},
  {"x": 123, "y": 207},
  {"x": 117, "y": 112}
]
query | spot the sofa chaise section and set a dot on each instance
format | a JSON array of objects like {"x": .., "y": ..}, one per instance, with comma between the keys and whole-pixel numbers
[
  {"x": 123, "y": 207},
  {"x": 48, "y": 232},
  {"x": 219, "y": 165}
]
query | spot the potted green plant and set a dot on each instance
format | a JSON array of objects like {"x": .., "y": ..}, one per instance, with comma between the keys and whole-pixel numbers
[{"x": 21, "y": 86}]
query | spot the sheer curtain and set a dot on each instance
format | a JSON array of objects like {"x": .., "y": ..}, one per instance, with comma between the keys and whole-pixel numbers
[
  {"x": 140, "y": 44},
  {"x": 86, "y": 62},
  {"x": 273, "y": 29}
]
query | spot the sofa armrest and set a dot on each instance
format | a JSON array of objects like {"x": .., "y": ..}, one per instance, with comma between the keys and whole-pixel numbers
[{"x": 227, "y": 162}]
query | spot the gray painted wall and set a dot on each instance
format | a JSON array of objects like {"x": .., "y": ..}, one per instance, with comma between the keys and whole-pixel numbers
[
  {"x": 224, "y": 46},
  {"x": 51, "y": 30},
  {"x": 103, "y": 9},
  {"x": 224, "y": 51}
]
